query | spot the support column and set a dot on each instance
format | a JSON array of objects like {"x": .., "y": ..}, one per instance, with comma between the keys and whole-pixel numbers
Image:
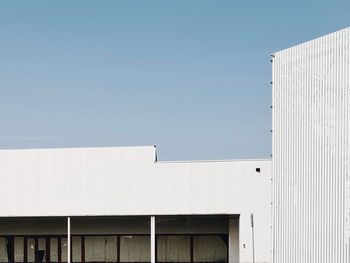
[
  {"x": 233, "y": 241},
  {"x": 68, "y": 240},
  {"x": 153, "y": 239}
]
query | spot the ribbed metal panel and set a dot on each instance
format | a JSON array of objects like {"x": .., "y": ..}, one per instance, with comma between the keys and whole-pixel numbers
[{"x": 311, "y": 184}]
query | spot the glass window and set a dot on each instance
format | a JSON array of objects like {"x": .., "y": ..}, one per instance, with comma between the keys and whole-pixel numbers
[
  {"x": 3, "y": 250},
  {"x": 41, "y": 249},
  {"x": 209, "y": 249},
  {"x": 31, "y": 249},
  {"x": 64, "y": 250},
  {"x": 101, "y": 248},
  {"x": 19, "y": 249},
  {"x": 76, "y": 249},
  {"x": 53, "y": 249},
  {"x": 95, "y": 249},
  {"x": 135, "y": 249},
  {"x": 111, "y": 249},
  {"x": 174, "y": 248}
]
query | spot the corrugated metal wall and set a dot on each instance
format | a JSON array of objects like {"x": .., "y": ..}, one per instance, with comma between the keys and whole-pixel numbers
[{"x": 311, "y": 151}]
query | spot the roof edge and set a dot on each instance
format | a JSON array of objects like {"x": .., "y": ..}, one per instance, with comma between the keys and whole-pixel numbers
[
  {"x": 218, "y": 161},
  {"x": 313, "y": 39}
]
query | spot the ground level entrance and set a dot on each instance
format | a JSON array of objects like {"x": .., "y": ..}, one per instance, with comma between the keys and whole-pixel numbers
[{"x": 180, "y": 239}]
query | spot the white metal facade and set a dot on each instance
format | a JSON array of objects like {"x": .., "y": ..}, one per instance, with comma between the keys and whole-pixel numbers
[
  {"x": 128, "y": 181},
  {"x": 311, "y": 151}
]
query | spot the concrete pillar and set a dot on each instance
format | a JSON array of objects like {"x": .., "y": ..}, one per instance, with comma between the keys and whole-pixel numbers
[
  {"x": 233, "y": 239},
  {"x": 153, "y": 239},
  {"x": 68, "y": 240},
  {"x": 246, "y": 238}
]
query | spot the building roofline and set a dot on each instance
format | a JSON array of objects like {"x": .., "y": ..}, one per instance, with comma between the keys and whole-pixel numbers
[
  {"x": 75, "y": 148},
  {"x": 322, "y": 36},
  {"x": 128, "y": 147},
  {"x": 217, "y": 161}
]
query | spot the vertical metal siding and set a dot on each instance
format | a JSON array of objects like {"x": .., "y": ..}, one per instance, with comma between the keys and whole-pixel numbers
[{"x": 311, "y": 184}]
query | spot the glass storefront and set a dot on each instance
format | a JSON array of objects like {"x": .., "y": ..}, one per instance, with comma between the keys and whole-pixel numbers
[{"x": 114, "y": 249}]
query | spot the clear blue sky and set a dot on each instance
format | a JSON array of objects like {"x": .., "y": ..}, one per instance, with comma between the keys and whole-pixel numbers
[{"x": 191, "y": 77}]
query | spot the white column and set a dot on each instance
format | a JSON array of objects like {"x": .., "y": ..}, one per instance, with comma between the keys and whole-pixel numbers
[
  {"x": 153, "y": 239},
  {"x": 68, "y": 239},
  {"x": 233, "y": 238}
]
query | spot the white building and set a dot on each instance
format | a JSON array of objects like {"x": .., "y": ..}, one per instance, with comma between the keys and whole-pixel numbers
[
  {"x": 311, "y": 146},
  {"x": 202, "y": 210},
  {"x": 121, "y": 205}
]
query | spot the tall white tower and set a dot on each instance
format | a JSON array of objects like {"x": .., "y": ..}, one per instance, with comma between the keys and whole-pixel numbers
[{"x": 311, "y": 151}]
